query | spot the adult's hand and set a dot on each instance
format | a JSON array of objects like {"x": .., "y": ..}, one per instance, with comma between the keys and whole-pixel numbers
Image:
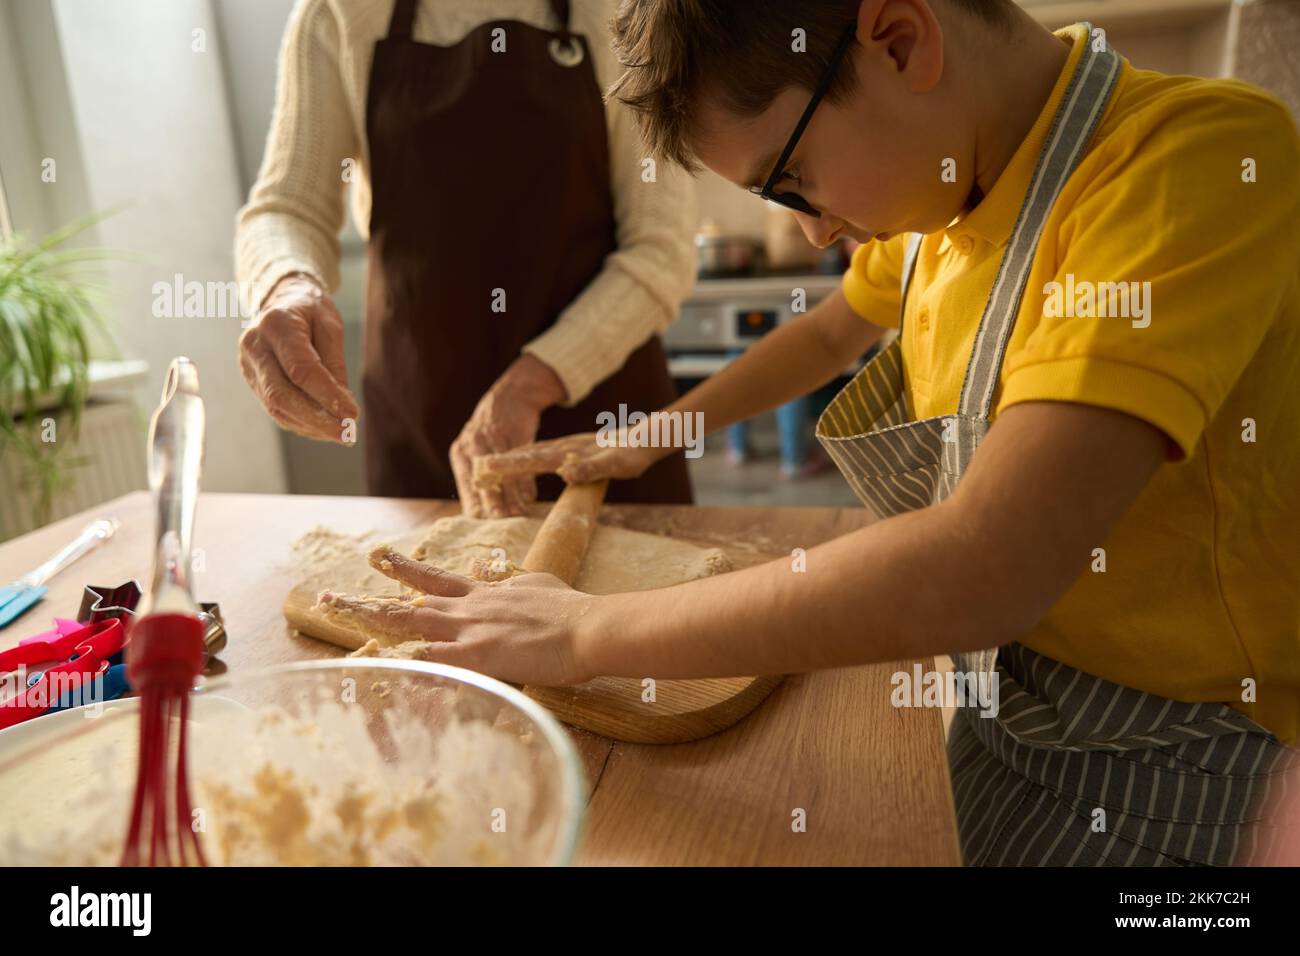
[
  {"x": 292, "y": 359},
  {"x": 506, "y": 417}
]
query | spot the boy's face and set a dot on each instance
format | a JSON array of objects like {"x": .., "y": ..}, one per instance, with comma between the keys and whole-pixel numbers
[{"x": 871, "y": 163}]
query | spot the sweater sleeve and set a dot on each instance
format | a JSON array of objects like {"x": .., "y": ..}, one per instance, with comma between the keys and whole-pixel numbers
[
  {"x": 295, "y": 211},
  {"x": 642, "y": 284}
]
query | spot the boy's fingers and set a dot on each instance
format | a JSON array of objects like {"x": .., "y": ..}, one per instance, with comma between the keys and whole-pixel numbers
[
  {"x": 606, "y": 464},
  {"x": 396, "y": 620},
  {"x": 423, "y": 577},
  {"x": 581, "y": 472},
  {"x": 522, "y": 462}
]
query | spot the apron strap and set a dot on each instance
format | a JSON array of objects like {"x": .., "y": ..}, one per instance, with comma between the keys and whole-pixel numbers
[
  {"x": 402, "y": 22},
  {"x": 561, "y": 10},
  {"x": 1076, "y": 120}
]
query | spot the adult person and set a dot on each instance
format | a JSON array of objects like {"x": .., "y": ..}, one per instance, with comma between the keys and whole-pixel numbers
[{"x": 523, "y": 254}]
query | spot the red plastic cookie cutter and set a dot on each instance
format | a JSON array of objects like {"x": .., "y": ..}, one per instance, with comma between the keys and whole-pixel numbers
[{"x": 83, "y": 654}]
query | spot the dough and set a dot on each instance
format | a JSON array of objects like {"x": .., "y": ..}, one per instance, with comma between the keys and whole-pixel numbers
[
  {"x": 618, "y": 559},
  {"x": 407, "y": 650},
  {"x": 492, "y": 550},
  {"x": 370, "y": 781}
]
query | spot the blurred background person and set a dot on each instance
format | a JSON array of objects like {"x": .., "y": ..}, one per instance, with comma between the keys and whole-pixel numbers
[{"x": 524, "y": 253}]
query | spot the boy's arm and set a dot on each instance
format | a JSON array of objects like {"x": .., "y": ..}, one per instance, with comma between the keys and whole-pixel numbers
[
  {"x": 979, "y": 570},
  {"x": 792, "y": 360}
]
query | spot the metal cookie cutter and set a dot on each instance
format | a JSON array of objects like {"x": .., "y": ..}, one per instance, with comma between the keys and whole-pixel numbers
[{"x": 100, "y": 603}]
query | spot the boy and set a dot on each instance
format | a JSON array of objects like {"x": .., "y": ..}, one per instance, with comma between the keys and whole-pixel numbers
[{"x": 1079, "y": 447}]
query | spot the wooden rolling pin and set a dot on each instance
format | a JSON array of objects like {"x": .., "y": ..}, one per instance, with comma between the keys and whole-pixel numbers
[{"x": 565, "y": 535}]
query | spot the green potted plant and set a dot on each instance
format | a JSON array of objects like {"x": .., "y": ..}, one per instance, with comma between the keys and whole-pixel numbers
[{"x": 48, "y": 320}]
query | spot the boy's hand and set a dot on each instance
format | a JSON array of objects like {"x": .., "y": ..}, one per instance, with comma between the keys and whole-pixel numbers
[
  {"x": 522, "y": 629},
  {"x": 575, "y": 458}
]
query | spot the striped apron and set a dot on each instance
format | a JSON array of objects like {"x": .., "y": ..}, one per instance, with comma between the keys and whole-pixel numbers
[{"x": 1073, "y": 769}]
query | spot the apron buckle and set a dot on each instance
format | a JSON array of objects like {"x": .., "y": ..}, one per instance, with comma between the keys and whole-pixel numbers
[{"x": 566, "y": 51}]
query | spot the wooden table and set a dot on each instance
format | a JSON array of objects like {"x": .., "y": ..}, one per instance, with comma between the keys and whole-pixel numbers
[{"x": 871, "y": 778}]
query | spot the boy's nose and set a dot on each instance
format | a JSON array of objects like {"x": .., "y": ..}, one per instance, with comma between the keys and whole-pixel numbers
[{"x": 821, "y": 232}]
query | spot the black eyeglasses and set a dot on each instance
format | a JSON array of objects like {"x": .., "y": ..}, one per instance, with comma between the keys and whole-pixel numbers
[{"x": 794, "y": 200}]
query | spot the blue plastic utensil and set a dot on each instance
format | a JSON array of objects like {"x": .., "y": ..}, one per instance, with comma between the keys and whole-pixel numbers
[{"x": 21, "y": 595}]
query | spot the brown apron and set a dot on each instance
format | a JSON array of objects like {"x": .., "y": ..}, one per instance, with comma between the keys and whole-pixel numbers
[{"x": 489, "y": 171}]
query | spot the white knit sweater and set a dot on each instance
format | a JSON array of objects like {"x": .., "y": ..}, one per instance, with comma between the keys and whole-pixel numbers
[{"x": 296, "y": 209}]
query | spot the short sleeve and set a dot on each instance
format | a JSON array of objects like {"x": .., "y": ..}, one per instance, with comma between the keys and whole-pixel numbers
[
  {"x": 873, "y": 282},
  {"x": 1203, "y": 257}
]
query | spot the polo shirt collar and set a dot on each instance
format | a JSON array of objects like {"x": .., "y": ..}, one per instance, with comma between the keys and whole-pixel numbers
[{"x": 995, "y": 216}]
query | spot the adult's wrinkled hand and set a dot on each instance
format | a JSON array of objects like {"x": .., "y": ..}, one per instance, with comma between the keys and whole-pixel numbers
[
  {"x": 292, "y": 359},
  {"x": 506, "y": 417}
]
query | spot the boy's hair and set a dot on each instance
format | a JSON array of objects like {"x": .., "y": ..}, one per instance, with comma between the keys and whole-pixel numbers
[{"x": 746, "y": 50}]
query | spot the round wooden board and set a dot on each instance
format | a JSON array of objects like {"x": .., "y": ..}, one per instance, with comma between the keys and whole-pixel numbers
[{"x": 645, "y": 711}]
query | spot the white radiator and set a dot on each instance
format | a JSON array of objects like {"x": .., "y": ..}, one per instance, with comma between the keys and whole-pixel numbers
[{"x": 111, "y": 442}]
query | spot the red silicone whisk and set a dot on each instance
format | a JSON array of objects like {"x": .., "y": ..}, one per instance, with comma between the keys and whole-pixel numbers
[{"x": 165, "y": 652}]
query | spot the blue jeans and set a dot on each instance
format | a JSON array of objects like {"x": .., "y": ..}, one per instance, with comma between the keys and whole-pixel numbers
[{"x": 790, "y": 419}]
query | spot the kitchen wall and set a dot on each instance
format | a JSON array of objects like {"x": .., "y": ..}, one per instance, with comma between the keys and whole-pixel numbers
[
  {"x": 1265, "y": 38},
  {"x": 32, "y": 83},
  {"x": 251, "y": 32},
  {"x": 134, "y": 111}
]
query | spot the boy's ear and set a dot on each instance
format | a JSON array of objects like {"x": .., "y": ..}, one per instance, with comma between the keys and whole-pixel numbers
[
  {"x": 868, "y": 14},
  {"x": 907, "y": 33}
]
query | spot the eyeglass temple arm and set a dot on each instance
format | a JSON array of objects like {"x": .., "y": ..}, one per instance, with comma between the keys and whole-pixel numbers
[{"x": 822, "y": 86}]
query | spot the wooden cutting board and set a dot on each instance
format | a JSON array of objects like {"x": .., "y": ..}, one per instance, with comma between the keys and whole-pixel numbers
[{"x": 614, "y": 707}]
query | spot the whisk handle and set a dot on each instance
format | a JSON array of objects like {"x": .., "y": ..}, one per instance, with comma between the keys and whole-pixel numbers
[{"x": 165, "y": 649}]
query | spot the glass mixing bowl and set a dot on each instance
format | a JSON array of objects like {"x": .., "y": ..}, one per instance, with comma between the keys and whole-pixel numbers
[{"x": 334, "y": 762}]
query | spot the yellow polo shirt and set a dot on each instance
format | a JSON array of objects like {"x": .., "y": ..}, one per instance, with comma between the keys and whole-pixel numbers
[{"x": 1192, "y": 186}]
